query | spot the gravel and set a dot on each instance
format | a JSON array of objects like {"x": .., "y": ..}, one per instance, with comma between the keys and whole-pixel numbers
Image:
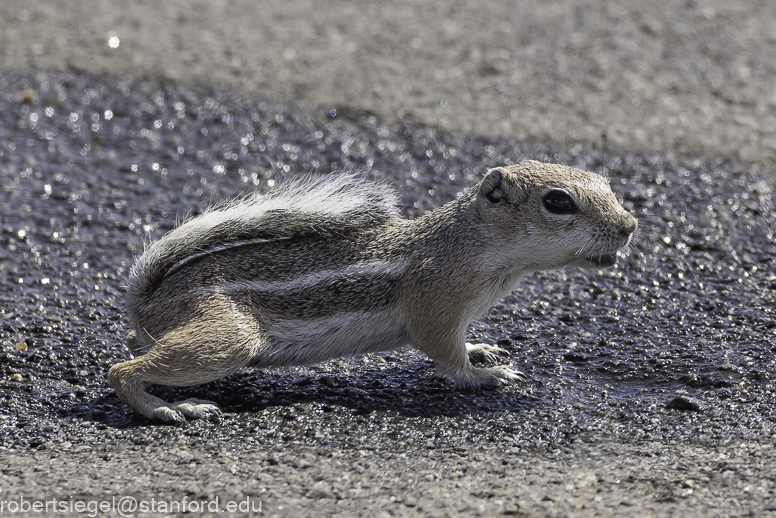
[{"x": 94, "y": 165}]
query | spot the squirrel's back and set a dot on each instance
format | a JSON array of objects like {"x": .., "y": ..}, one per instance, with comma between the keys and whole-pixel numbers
[{"x": 327, "y": 205}]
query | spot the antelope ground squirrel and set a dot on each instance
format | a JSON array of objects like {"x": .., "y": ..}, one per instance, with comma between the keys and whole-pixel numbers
[{"x": 325, "y": 268}]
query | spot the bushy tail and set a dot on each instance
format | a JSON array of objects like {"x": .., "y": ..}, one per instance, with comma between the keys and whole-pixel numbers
[{"x": 326, "y": 205}]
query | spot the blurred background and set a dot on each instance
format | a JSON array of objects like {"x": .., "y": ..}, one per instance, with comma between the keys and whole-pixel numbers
[{"x": 688, "y": 76}]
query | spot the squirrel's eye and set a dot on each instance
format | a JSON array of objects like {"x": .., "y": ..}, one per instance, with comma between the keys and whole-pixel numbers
[{"x": 558, "y": 202}]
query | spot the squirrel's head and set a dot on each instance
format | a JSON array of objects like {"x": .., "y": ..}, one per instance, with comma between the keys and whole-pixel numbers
[{"x": 549, "y": 215}]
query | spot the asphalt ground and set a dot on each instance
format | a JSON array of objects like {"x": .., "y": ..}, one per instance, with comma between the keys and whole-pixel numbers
[{"x": 651, "y": 386}]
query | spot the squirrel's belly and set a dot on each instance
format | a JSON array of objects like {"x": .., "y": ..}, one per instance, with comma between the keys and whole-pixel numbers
[{"x": 303, "y": 341}]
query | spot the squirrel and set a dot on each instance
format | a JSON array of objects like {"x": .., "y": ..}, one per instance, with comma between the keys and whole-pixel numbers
[{"x": 323, "y": 268}]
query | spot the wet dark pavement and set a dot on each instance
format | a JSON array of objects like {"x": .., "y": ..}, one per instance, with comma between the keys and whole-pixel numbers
[{"x": 669, "y": 355}]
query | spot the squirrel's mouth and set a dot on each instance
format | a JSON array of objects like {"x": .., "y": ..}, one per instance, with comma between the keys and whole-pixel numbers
[{"x": 604, "y": 261}]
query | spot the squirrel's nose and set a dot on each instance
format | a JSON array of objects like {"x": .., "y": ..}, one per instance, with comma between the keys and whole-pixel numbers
[{"x": 629, "y": 225}]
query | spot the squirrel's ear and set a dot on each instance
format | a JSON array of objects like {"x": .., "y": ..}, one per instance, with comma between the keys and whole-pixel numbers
[{"x": 492, "y": 187}]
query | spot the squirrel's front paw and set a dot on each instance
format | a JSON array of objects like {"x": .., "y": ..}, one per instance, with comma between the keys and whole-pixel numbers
[
  {"x": 484, "y": 353},
  {"x": 508, "y": 376},
  {"x": 475, "y": 378}
]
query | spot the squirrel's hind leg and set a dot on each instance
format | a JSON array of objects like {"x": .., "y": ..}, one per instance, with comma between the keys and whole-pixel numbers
[{"x": 210, "y": 347}]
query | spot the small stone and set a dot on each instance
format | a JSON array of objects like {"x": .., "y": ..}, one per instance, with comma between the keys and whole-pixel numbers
[
  {"x": 28, "y": 96},
  {"x": 684, "y": 403},
  {"x": 21, "y": 346},
  {"x": 17, "y": 377},
  {"x": 320, "y": 489},
  {"x": 304, "y": 461}
]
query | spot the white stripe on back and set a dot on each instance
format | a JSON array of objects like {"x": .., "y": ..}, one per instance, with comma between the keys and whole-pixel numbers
[{"x": 309, "y": 280}]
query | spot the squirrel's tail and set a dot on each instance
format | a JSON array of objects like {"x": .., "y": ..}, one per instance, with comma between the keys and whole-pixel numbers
[{"x": 324, "y": 205}]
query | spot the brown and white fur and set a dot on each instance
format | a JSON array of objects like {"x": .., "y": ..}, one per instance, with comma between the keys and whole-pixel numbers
[{"x": 326, "y": 268}]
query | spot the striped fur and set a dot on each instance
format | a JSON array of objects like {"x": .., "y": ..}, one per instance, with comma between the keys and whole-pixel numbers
[
  {"x": 309, "y": 281},
  {"x": 329, "y": 205}
]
